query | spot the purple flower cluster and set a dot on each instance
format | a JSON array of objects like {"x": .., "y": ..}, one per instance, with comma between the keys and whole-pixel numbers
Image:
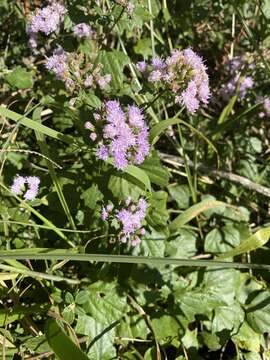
[
  {"x": 127, "y": 5},
  {"x": 130, "y": 218},
  {"x": 237, "y": 83},
  {"x": 265, "y": 106},
  {"x": 97, "y": 79},
  {"x": 82, "y": 30},
  {"x": 46, "y": 21},
  {"x": 58, "y": 64},
  {"x": 32, "y": 182},
  {"x": 184, "y": 73},
  {"x": 124, "y": 135}
]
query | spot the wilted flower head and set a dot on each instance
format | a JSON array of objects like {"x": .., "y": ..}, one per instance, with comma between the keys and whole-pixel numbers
[
  {"x": 82, "y": 30},
  {"x": 46, "y": 21},
  {"x": 128, "y": 5},
  {"x": 124, "y": 135},
  {"x": 184, "y": 74},
  {"x": 130, "y": 219},
  {"x": 31, "y": 181}
]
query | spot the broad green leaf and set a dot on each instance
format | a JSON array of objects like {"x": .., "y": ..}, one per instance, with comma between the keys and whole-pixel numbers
[
  {"x": 246, "y": 338},
  {"x": 255, "y": 241},
  {"x": 222, "y": 239},
  {"x": 258, "y": 312},
  {"x": 166, "y": 327},
  {"x": 123, "y": 186},
  {"x": 157, "y": 173},
  {"x": 227, "y": 318},
  {"x": 20, "y": 78},
  {"x": 113, "y": 63},
  {"x": 192, "y": 212},
  {"x": 104, "y": 305},
  {"x": 63, "y": 347},
  {"x": 183, "y": 245},
  {"x": 181, "y": 194},
  {"x": 140, "y": 177},
  {"x": 157, "y": 213},
  {"x": 101, "y": 338}
]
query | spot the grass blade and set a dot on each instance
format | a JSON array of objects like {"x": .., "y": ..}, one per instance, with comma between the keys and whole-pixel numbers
[
  {"x": 255, "y": 241},
  {"x": 46, "y": 254}
]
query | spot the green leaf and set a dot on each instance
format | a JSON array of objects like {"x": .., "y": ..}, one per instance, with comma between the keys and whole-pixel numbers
[
  {"x": 255, "y": 241},
  {"x": 157, "y": 173},
  {"x": 181, "y": 194},
  {"x": 158, "y": 214},
  {"x": 166, "y": 327},
  {"x": 123, "y": 186},
  {"x": 113, "y": 63},
  {"x": 192, "y": 212},
  {"x": 101, "y": 338},
  {"x": 258, "y": 312},
  {"x": 221, "y": 240},
  {"x": 105, "y": 305},
  {"x": 20, "y": 78},
  {"x": 246, "y": 338},
  {"x": 227, "y": 318},
  {"x": 140, "y": 177},
  {"x": 227, "y": 110},
  {"x": 183, "y": 246},
  {"x": 61, "y": 344}
]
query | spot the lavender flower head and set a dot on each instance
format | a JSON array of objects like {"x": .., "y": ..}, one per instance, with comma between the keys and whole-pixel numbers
[
  {"x": 82, "y": 30},
  {"x": 130, "y": 218},
  {"x": 124, "y": 135},
  {"x": 32, "y": 183},
  {"x": 184, "y": 74},
  {"x": 58, "y": 63},
  {"x": 46, "y": 21},
  {"x": 239, "y": 83}
]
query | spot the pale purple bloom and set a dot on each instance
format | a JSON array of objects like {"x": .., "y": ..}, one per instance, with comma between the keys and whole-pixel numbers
[
  {"x": 135, "y": 116},
  {"x": 102, "y": 153},
  {"x": 93, "y": 136},
  {"x": 266, "y": 106},
  {"x": 189, "y": 97},
  {"x": 155, "y": 76},
  {"x": 58, "y": 63},
  {"x": 104, "y": 214},
  {"x": 32, "y": 183},
  {"x": 88, "y": 125},
  {"x": 130, "y": 8},
  {"x": 141, "y": 66},
  {"x": 46, "y": 20},
  {"x": 103, "y": 81},
  {"x": 18, "y": 184},
  {"x": 82, "y": 30},
  {"x": 158, "y": 63},
  {"x": 184, "y": 73},
  {"x": 246, "y": 83},
  {"x": 109, "y": 207},
  {"x": 88, "y": 82},
  {"x": 130, "y": 218}
]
